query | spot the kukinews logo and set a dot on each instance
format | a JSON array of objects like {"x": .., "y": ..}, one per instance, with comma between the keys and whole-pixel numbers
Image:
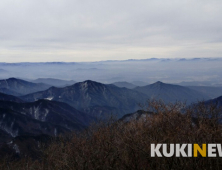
[{"x": 186, "y": 150}]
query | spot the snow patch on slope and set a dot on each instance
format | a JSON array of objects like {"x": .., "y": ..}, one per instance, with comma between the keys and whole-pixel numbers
[
  {"x": 49, "y": 98},
  {"x": 8, "y": 129}
]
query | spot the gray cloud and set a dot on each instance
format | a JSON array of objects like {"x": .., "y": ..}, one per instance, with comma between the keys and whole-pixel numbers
[{"x": 74, "y": 30}]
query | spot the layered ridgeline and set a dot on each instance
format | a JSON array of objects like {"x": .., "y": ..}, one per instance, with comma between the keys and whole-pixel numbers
[
  {"x": 54, "y": 82},
  {"x": 6, "y": 97},
  {"x": 171, "y": 93},
  {"x": 124, "y": 84},
  {"x": 17, "y": 87},
  {"x": 93, "y": 97}
]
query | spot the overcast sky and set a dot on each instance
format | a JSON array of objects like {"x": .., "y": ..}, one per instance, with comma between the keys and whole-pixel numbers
[{"x": 94, "y": 30}]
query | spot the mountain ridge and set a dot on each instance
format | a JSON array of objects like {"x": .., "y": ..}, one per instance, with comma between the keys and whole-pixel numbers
[
  {"x": 171, "y": 93},
  {"x": 18, "y": 86},
  {"x": 90, "y": 93}
]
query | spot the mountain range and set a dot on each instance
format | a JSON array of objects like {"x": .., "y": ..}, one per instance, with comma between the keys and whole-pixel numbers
[
  {"x": 37, "y": 111},
  {"x": 89, "y": 95}
]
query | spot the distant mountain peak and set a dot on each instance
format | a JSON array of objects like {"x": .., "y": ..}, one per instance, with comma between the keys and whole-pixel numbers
[
  {"x": 90, "y": 81},
  {"x": 12, "y": 78},
  {"x": 159, "y": 83},
  {"x": 86, "y": 83},
  {"x": 53, "y": 87},
  {"x": 89, "y": 85},
  {"x": 171, "y": 92}
]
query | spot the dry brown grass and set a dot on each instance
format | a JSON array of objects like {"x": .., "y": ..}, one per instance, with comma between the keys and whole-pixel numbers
[{"x": 119, "y": 146}]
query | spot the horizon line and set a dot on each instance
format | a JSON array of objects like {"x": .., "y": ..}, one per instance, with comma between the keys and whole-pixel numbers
[{"x": 146, "y": 59}]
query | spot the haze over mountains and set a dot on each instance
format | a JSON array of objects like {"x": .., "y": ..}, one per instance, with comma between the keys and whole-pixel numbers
[{"x": 199, "y": 71}]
